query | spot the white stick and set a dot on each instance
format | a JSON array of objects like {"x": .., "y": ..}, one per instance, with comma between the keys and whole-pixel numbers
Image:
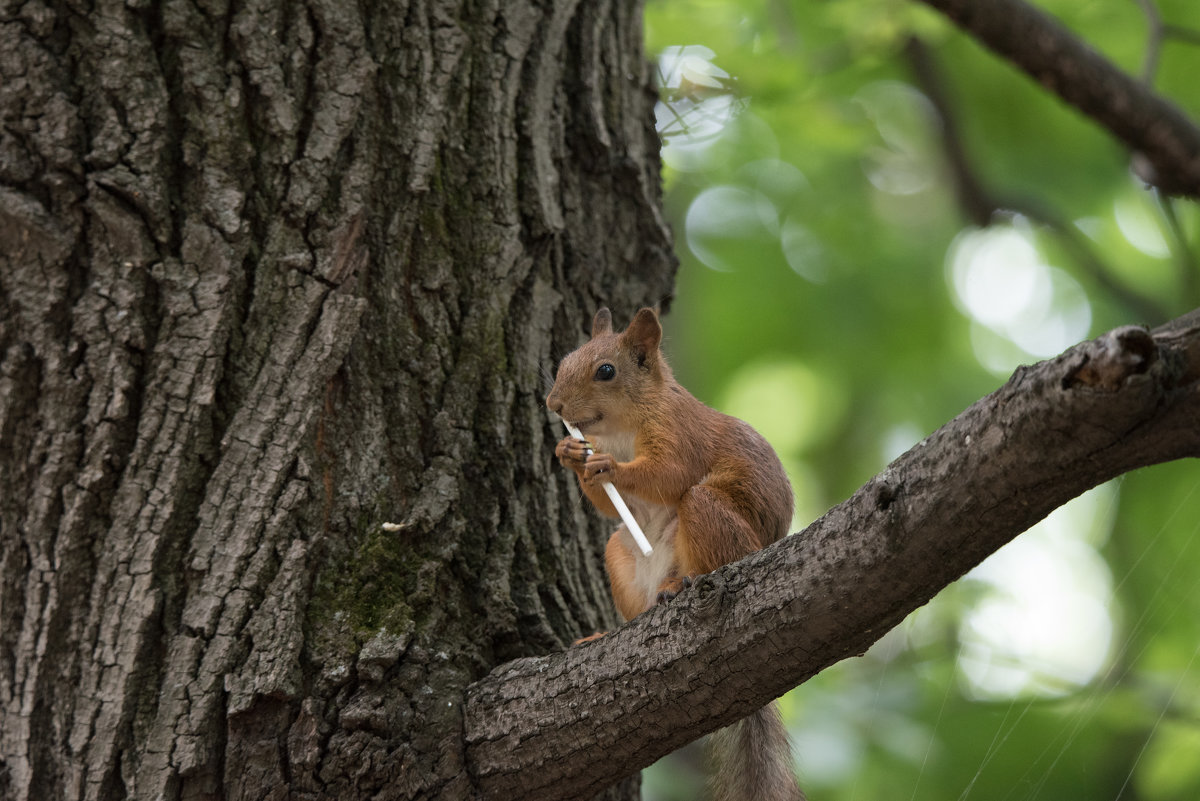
[{"x": 619, "y": 503}]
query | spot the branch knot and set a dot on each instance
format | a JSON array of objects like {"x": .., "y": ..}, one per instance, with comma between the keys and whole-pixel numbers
[
  {"x": 710, "y": 593},
  {"x": 1110, "y": 360}
]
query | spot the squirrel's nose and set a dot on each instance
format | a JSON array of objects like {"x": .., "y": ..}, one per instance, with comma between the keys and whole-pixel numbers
[{"x": 554, "y": 404}]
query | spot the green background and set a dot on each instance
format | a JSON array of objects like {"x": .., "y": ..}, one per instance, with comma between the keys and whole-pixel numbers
[{"x": 834, "y": 293}]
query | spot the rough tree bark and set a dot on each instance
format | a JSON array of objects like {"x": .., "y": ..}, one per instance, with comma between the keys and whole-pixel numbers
[{"x": 271, "y": 275}]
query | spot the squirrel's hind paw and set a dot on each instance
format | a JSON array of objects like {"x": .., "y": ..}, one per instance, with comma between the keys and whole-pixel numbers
[{"x": 682, "y": 584}]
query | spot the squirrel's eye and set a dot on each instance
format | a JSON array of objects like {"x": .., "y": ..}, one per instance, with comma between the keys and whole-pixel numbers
[{"x": 606, "y": 372}]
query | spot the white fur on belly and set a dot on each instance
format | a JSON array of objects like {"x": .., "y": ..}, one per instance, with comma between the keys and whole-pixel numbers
[{"x": 658, "y": 524}]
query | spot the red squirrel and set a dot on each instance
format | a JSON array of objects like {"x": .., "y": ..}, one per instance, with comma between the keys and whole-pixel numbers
[{"x": 706, "y": 489}]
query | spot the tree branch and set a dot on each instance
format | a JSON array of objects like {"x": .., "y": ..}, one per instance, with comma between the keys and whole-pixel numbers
[
  {"x": 1167, "y": 140},
  {"x": 566, "y": 725},
  {"x": 981, "y": 204},
  {"x": 1185, "y": 260}
]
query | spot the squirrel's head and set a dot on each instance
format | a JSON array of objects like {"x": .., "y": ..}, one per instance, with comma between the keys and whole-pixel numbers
[{"x": 598, "y": 387}]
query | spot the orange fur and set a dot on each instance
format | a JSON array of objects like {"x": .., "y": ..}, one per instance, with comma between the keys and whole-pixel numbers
[
  {"x": 620, "y": 562},
  {"x": 705, "y": 487},
  {"x": 722, "y": 485}
]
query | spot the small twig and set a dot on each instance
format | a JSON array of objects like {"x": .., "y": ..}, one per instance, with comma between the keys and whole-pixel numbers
[
  {"x": 982, "y": 205},
  {"x": 974, "y": 199},
  {"x": 1185, "y": 260},
  {"x": 1182, "y": 34},
  {"x": 1142, "y": 307},
  {"x": 1155, "y": 34},
  {"x": 1158, "y": 33}
]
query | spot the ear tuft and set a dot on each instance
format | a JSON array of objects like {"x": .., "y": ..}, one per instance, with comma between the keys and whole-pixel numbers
[{"x": 602, "y": 322}]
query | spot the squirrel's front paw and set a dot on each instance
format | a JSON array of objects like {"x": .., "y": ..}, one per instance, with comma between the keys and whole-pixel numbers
[
  {"x": 600, "y": 467},
  {"x": 572, "y": 452}
]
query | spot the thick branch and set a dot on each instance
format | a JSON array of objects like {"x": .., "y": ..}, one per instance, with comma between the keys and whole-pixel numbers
[
  {"x": 565, "y": 725},
  {"x": 1060, "y": 61}
]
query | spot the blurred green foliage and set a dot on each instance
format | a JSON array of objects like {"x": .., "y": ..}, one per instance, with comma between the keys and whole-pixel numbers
[{"x": 835, "y": 293}]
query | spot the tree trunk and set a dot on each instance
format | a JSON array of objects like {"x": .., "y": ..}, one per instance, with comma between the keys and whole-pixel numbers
[
  {"x": 271, "y": 277},
  {"x": 278, "y": 287}
]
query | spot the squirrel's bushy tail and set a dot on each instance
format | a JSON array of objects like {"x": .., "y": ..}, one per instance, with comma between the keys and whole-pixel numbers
[{"x": 754, "y": 760}]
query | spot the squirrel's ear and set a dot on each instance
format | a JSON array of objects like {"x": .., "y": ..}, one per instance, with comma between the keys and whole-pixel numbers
[
  {"x": 644, "y": 333},
  {"x": 601, "y": 323}
]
